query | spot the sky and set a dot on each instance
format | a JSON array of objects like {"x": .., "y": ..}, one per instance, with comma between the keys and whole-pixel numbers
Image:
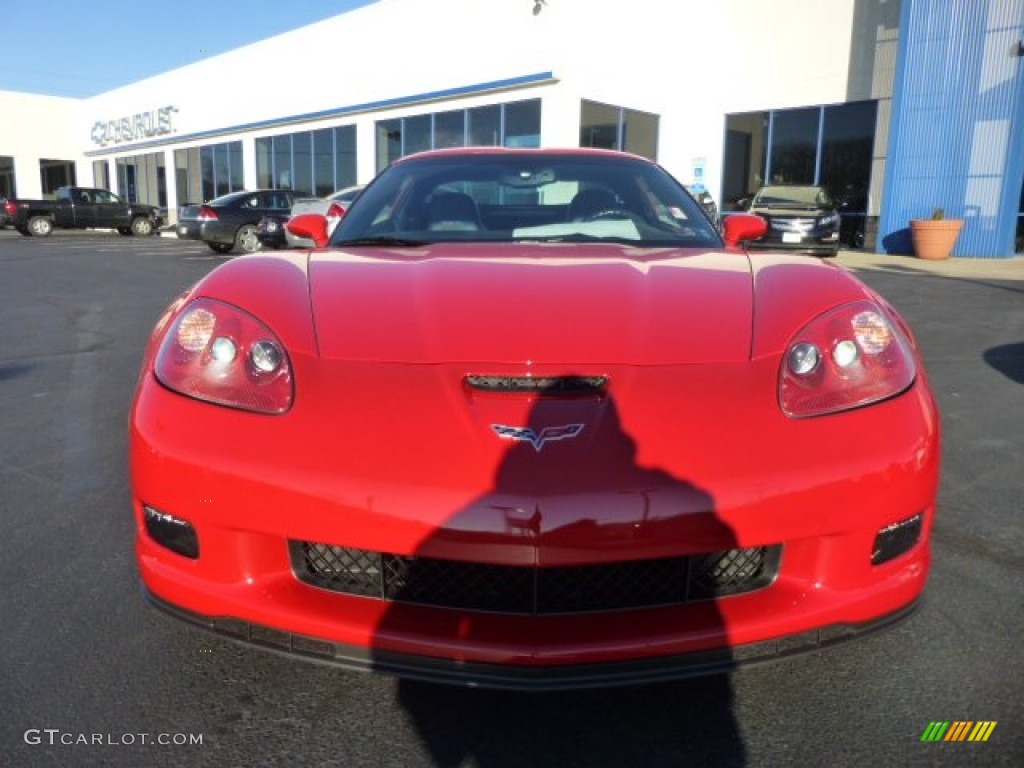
[{"x": 84, "y": 47}]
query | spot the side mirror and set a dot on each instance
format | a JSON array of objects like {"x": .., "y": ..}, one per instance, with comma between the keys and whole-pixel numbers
[
  {"x": 312, "y": 226},
  {"x": 740, "y": 227},
  {"x": 743, "y": 203}
]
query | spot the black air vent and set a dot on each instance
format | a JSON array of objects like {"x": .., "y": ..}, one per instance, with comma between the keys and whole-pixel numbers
[{"x": 545, "y": 386}]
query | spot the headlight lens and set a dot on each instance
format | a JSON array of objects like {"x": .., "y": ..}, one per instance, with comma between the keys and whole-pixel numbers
[
  {"x": 848, "y": 357},
  {"x": 219, "y": 353}
]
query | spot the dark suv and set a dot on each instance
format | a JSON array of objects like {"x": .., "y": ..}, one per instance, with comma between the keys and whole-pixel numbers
[{"x": 800, "y": 217}]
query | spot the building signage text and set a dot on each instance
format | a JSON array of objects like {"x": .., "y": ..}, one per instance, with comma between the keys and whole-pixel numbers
[{"x": 143, "y": 125}]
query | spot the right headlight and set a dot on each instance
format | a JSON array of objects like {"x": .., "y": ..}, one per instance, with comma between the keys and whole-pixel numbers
[{"x": 846, "y": 358}]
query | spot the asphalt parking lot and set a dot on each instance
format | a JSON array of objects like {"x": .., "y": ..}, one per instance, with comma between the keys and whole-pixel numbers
[{"x": 82, "y": 656}]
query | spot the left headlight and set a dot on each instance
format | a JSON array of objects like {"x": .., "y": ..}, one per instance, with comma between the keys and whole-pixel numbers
[
  {"x": 216, "y": 352},
  {"x": 829, "y": 221},
  {"x": 848, "y": 357}
]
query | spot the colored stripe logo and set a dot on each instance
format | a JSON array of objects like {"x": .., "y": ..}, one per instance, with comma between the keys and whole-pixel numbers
[{"x": 958, "y": 730}]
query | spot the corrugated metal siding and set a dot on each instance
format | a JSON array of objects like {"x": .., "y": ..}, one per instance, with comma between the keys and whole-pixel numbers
[{"x": 957, "y": 130}]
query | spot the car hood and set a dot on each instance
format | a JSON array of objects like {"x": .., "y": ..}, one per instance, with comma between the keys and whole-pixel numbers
[
  {"x": 794, "y": 211},
  {"x": 542, "y": 303}
]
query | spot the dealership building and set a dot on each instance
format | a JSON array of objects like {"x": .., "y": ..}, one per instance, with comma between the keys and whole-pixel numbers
[{"x": 898, "y": 107}]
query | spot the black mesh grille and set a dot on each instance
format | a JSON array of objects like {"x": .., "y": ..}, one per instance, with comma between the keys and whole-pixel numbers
[{"x": 525, "y": 590}]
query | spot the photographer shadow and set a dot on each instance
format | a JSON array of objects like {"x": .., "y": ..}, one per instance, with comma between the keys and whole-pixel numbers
[{"x": 603, "y": 503}]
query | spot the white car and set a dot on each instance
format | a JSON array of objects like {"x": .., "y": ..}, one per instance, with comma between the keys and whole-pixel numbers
[{"x": 333, "y": 207}]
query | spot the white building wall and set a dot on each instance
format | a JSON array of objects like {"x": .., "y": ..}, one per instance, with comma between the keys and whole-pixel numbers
[{"x": 34, "y": 127}]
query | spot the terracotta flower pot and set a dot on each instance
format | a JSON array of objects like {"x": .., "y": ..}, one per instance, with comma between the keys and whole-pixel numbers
[{"x": 934, "y": 238}]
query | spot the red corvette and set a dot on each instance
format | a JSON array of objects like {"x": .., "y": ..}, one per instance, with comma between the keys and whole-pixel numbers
[{"x": 529, "y": 422}]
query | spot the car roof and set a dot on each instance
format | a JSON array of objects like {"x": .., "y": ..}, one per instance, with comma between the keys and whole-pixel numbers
[{"x": 524, "y": 152}]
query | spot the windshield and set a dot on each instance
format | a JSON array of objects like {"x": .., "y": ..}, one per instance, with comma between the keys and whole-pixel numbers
[
  {"x": 800, "y": 196},
  {"x": 524, "y": 196}
]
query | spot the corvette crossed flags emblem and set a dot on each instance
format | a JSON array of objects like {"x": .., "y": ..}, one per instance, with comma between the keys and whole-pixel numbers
[{"x": 537, "y": 439}]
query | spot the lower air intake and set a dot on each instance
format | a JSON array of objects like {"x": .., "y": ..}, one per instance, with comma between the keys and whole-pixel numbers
[{"x": 527, "y": 590}]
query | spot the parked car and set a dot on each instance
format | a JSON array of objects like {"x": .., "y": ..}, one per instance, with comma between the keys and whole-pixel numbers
[
  {"x": 83, "y": 208},
  {"x": 270, "y": 231},
  {"x": 228, "y": 223},
  {"x": 800, "y": 218},
  {"x": 6, "y": 213},
  {"x": 333, "y": 207},
  {"x": 529, "y": 421}
]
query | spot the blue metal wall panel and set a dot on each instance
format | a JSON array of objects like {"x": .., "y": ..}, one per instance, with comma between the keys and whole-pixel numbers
[{"x": 957, "y": 127}]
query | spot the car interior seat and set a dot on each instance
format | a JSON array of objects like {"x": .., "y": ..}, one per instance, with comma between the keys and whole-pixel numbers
[
  {"x": 453, "y": 212},
  {"x": 588, "y": 202}
]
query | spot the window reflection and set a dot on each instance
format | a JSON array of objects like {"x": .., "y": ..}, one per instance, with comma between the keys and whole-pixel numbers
[
  {"x": 794, "y": 137},
  {"x": 55, "y": 174},
  {"x": 484, "y": 126},
  {"x": 515, "y": 124},
  {"x": 522, "y": 124},
  {"x": 450, "y": 129},
  {"x": 746, "y": 147},
  {"x": 7, "y": 186},
  {"x": 847, "y": 150},
  {"x": 310, "y": 162},
  {"x": 599, "y": 125},
  {"x": 605, "y": 126},
  {"x": 302, "y": 162}
]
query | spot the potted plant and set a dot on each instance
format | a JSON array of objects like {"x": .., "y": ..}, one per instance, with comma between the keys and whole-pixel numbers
[{"x": 934, "y": 238}]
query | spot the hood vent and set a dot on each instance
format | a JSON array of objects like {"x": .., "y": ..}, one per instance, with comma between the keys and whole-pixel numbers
[{"x": 542, "y": 386}]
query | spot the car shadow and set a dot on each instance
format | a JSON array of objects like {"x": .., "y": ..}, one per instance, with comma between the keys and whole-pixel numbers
[
  {"x": 1008, "y": 359},
  {"x": 13, "y": 370},
  {"x": 629, "y": 507}
]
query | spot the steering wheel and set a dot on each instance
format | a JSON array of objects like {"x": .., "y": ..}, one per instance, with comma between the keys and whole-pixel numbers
[{"x": 609, "y": 213}]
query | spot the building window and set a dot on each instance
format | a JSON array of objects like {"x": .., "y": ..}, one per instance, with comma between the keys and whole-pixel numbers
[
  {"x": 203, "y": 173},
  {"x": 101, "y": 174},
  {"x": 450, "y": 129},
  {"x": 7, "y": 186},
  {"x": 794, "y": 143},
  {"x": 389, "y": 142},
  {"x": 484, "y": 126},
  {"x": 640, "y": 133},
  {"x": 310, "y": 162},
  {"x": 604, "y": 126},
  {"x": 344, "y": 157},
  {"x": 323, "y": 162},
  {"x": 522, "y": 124},
  {"x": 746, "y": 148},
  {"x": 599, "y": 125},
  {"x": 515, "y": 124},
  {"x": 846, "y": 156},
  {"x": 55, "y": 174},
  {"x": 142, "y": 179},
  {"x": 828, "y": 145}
]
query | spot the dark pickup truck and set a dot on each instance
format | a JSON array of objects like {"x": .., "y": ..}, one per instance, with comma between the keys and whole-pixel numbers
[{"x": 83, "y": 208}]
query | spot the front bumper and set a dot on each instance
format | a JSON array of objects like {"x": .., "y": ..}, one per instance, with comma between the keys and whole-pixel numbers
[
  {"x": 507, "y": 677},
  {"x": 818, "y": 244},
  {"x": 676, "y": 483}
]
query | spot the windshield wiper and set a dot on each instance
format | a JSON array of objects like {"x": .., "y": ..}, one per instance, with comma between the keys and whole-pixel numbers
[{"x": 379, "y": 240}]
